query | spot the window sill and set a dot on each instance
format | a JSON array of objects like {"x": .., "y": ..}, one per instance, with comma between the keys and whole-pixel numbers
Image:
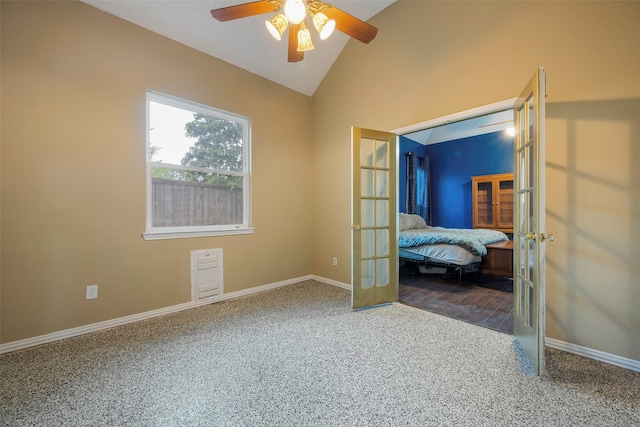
[{"x": 161, "y": 235}]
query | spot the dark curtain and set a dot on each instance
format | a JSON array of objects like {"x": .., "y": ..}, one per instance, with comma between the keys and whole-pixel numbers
[{"x": 419, "y": 186}]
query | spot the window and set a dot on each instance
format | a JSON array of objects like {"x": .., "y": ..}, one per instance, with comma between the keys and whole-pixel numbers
[{"x": 198, "y": 170}]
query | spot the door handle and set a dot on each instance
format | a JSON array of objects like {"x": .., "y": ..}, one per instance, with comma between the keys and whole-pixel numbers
[
  {"x": 356, "y": 227},
  {"x": 530, "y": 236}
]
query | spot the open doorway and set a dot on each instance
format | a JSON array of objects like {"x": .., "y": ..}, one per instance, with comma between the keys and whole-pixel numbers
[{"x": 475, "y": 143}]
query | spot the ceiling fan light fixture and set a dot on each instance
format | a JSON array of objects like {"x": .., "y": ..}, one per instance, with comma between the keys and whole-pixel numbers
[
  {"x": 304, "y": 39},
  {"x": 295, "y": 11},
  {"x": 324, "y": 25},
  {"x": 277, "y": 26},
  {"x": 290, "y": 15}
]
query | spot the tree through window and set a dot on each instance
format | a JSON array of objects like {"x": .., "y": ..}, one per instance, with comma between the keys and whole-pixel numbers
[{"x": 198, "y": 173}]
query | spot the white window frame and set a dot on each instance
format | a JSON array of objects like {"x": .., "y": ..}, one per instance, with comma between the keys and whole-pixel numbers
[{"x": 155, "y": 233}]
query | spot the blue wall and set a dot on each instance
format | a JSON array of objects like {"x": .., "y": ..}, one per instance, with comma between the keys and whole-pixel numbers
[{"x": 453, "y": 163}]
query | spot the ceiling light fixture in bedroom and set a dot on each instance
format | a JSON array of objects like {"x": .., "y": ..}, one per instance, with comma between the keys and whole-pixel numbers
[
  {"x": 324, "y": 17},
  {"x": 295, "y": 12}
]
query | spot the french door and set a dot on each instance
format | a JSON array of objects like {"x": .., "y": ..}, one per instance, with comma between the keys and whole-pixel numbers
[
  {"x": 374, "y": 220},
  {"x": 374, "y": 278},
  {"x": 529, "y": 222}
]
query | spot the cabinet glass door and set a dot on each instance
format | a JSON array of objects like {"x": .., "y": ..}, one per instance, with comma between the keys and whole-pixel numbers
[
  {"x": 484, "y": 204},
  {"x": 505, "y": 204}
]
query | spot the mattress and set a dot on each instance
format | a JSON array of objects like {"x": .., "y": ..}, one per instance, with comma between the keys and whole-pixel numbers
[{"x": 450, "y": 254}]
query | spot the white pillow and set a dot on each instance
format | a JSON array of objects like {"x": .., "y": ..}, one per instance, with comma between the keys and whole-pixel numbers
[{"x": 411, "y": 221}]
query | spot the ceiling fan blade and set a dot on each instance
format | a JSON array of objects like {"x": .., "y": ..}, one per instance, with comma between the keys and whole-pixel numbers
[
  {"x": 294, "y": 54},
  {"x": 350, "y": 25},
  {"x": 244, "y": 10}
]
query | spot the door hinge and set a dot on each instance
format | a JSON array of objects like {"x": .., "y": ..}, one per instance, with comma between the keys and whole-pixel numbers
[{"x": 549, "y": 237}]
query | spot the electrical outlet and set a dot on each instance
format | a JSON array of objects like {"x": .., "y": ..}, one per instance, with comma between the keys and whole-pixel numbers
[
  {"x": 335, "y": 261},
  {"x": 92, "y": 292}
]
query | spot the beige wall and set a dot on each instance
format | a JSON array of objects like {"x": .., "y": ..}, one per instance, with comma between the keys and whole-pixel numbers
[
  {"x": 72, "y": 145},
  {"x": 436, "y": 58},
  {"x": 73, "y": 169}
]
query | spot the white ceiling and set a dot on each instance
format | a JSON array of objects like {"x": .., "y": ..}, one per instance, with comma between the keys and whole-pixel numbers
[
  {"x": 243, "y": 42},
  {"x": 489, "y": 123}
]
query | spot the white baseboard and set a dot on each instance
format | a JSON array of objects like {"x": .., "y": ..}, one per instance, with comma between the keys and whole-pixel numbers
[
  {"x": 342, "y": 285},
  {"x": 612, "y": 359},
  {"x": 108, "y": 324},
  {"x": 590, "y": 353}
]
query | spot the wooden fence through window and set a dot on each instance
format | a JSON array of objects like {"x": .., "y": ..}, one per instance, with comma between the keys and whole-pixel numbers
[{"x": 178, "y": 203}]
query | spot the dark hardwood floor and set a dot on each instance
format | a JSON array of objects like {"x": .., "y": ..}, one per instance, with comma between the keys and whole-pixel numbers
[{"x": 471, "y": 299}]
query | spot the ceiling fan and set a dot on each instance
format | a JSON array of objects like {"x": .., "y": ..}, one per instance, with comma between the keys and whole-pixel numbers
[{"x": 324, "y": 17}]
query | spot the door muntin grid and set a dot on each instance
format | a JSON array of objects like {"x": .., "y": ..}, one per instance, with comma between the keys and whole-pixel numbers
[
  {"x": 527, "y": 216},
  {"x": 374, "y": 212}
]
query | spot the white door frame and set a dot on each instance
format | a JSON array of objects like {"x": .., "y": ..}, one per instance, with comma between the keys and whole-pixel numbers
[{"x": 507, "y": 104}]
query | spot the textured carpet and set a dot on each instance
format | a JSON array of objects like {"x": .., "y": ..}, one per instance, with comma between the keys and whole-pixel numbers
[{"x": 298, "y": 356}]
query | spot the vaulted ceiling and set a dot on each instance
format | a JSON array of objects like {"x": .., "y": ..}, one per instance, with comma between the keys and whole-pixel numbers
[
  {"x": 243, "y": 42},
  {"x": 247, "y": 44}
]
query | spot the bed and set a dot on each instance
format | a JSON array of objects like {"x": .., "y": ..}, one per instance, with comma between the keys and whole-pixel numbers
[{"x": 438, "y": 249}]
